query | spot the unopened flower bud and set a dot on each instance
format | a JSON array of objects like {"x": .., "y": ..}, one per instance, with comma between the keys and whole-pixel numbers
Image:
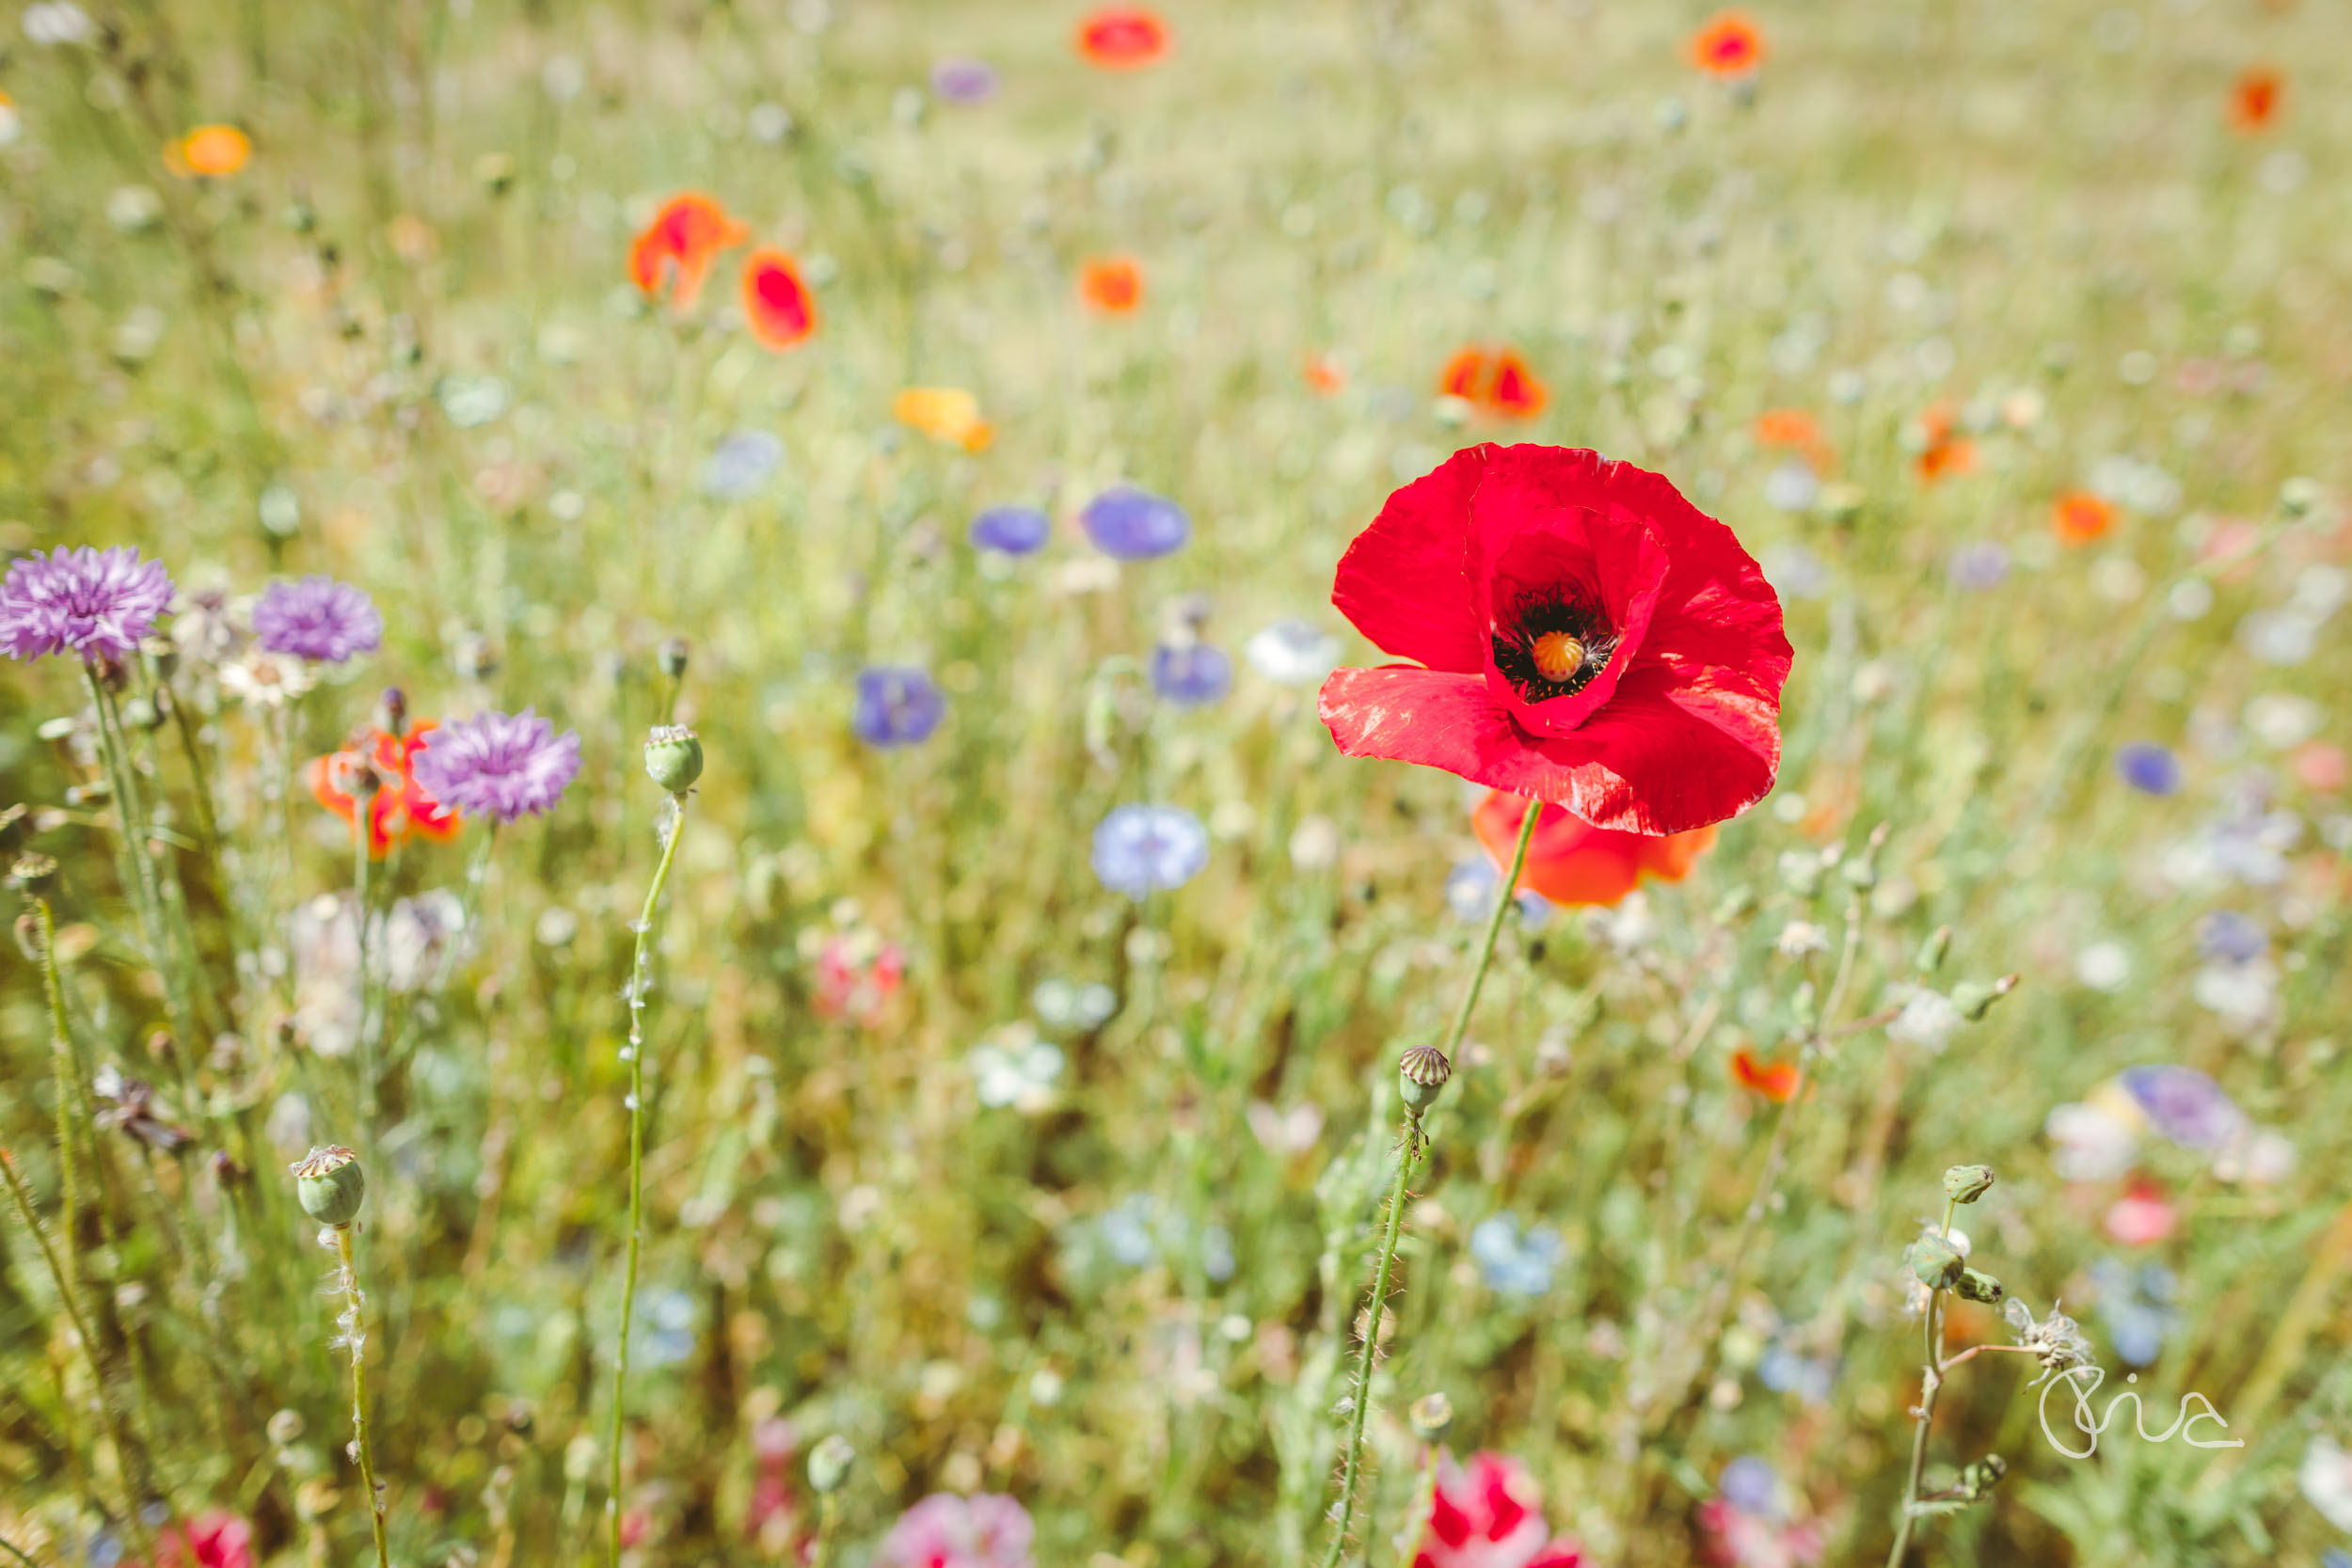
[
  {"x": 1967, "y": 1183},
  {"x": 330, "y": 1185},
  {"x": 673, "y": 757},
  {"x": 32, "y": 868},
  {"x": 1420, "y": 1074},
  {"x": 1975, "y": 1285},
  {"x": 1982, "y": 1476},
  {"x": 1932, "y": 951},
  {"x": 672, "y": 656},
  {"x": 1431, "y": 1416},
  {"x": 286, "y": 1427},
  {"x": 829, "y": 1462},
  {"x": 395, "y": 711},
  {"x": 1934, "y": 1262},
  {"x": 1974, "y": 998}
]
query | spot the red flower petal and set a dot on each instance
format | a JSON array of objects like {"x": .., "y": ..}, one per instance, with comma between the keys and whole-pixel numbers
[
  {"x": 1571, "y": 861},
  {"x": 1515, "y": 391},
  {"x": 1775, "y": 1080},
  {"x": 1123, "y": 37},
  {"x": 776, "y": 303},
  {"x": 681, "y": 245},
  {"x": 1465, "y": 375},
  {"x": 1404, "y": 581}
]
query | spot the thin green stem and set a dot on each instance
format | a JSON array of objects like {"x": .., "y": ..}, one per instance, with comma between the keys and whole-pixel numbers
[
  {"x": 145, "y": 894},
  {"x": 355, "y": 1332},
  {"x": 360, "y": 859},
  {"x": 1408, "y": 1155},
  {"x": 637, "y": 981},
  {"x": 828, "y": 1520},
  {"x": 18, "y": 1552},
  {"x": 1930, "y": 1385},
  {"x": 69, "y": 1090}
]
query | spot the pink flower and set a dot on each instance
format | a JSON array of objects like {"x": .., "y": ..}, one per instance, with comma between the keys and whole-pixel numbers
[
  {"x": 215, "y": 1540},
  {"x": 2142, "y": 1216},
  {"x": 945, "y": 1531},
  {"x": 1489, "y": 1515},
  {"x": 857, "y": 975},
  {"x": 1738, "y": 1539}
]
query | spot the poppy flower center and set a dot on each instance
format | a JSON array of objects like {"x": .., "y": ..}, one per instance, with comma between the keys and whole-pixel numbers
[{"x": 1553, "y": 645}]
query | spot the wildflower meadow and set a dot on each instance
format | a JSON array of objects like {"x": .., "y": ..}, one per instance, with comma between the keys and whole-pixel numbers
[{"x": 1511, "y": 783}]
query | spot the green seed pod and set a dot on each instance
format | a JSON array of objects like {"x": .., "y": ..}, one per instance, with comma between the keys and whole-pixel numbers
[
  {"x": 1975, "y": 1285},
  {"x": 1967, "y": 1183},
  {"x": 1932, "y": 951},
  {"x": 673, "y": 757},
  {"x": 829, "y": 1462},
  {"x": 1974, "y": 998},
  {"x": 329, "y": 1182},
  {"x": 1431, "y": 1416},
  {"x": 1934, "y": 1262},
  {"x": 1982, "y": 1476},
  {"x": 1420, "y": 1076}
]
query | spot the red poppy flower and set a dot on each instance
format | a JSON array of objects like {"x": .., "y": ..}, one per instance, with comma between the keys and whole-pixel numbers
[
  {"x": 1571, "y": 861},
  {"x": 401, "y": 806},
  {"x": 1326, "y": 375},
  {"x": 1111, "y": 284},
  {"x": 1495, "y": 382},
  {"x": 1123, "y": 37},
  {"x": 214, "y": 1540},
  {"x": 1587, "y": 637},
  {"x": 781, "y": 310},
  {"x": 2078, "y": 517},
  {"x": 1730, "y": 45},
  {"x": 1775, "y": 1080},
  {"x": 679, "y": 246},
  {"x": 2254, "y": 99},
  {"x": 1488, "y": 1513}
]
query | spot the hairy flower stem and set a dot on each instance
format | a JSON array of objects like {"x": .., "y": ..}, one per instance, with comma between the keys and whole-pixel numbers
[
  {"x": 1930, "y": 1385},
  {"x": 68, "y": 1092},
  {"x": 354, "y": 1326},
  {"x": 146, "y": 891},
  {"x": 368, "y": 1067},
  {"x": 828, "y": 1521},
  {"x": 637, "y": 981},
  {"x": 1408, "y": 1155}
]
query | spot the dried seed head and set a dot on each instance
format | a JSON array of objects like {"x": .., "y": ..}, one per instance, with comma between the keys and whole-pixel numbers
[
  {"x": 330, "y": 1184},
  {"x": 1431, "y": 1416},
  {"x": 1422, "y": 1073},
  {"x": 673, "y": 757}
]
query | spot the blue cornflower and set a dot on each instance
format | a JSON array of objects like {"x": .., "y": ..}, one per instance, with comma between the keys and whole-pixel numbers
[
  {"x": 1191, "y": 673},
  {"x": 2230, "y": 936},
  {"x": 741, "y": 464},
  {"x": 1750, "y": 1484},
  {"x": 1129, "y": 524},
  {"x": 1512, "y": 1263},
  {"x": 2136, "y": 1305},
  {"x": 1469, "y": 893},
  {"x": 1137, "y": 849},
  {"x": 957, "y": 80},
  {"x": 1981, "y": 566},
  {"x": 2183, "y": 1104},
  {"x": 896, "y": 705},
  {"x": 2147, "y": 767},
  {"x": 1012, "y": 530}
]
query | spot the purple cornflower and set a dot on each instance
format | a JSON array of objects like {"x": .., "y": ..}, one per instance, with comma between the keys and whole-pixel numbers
[
  {"x": 318, "y": 619},
  {"x": 741, "y": 464},
  {"x": 1137, "y": 849},
  {"x": 1190, "y": 674},
  {"x": 1981, "y": 566},
  {"x": 2148, "y": 767},
  {"x": 1012, "y": 529},
  {"x": 2183, "y": 1104},
  {"x": 2231, "y": 938},
  {"x": 1750, "y": 1484},
  {"x": 497, "y": 765},
  {"x": 96, "y": 603},
  {"x": 964, "y": 81},
  {"x": 896, "y": 705},
  {"x": 1128, "y": 524}
]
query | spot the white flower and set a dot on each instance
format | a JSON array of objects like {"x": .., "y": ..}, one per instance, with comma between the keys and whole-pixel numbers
[
  {"x": 56, "y": 21},
  {"x": 2258, "y": 1157},
  {"x": 1014, "y": 1068},
  {"x": 1293, "y": 653},
  {"x": 262, "y": 679},
  {"x": 2241, "y": 995},
  {"x": 2103, "y": 966},
  {"x": 2092, "y": 1144},
  {"x": 1315, "y": 843},
  {"x": 2327, "y": 1480},
  {"x": 1800, "y": 937},
  {"x": 1928, "y": 1019},
  {"x": 2283, "y": 720}
]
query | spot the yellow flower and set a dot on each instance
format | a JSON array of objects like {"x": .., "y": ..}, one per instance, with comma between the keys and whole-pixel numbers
[
  {"x": 948, "y": 415},
  {"x": 210, "y": 150}
]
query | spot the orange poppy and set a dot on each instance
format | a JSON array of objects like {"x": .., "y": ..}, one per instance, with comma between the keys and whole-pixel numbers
[
  {"x": 781, "y": 310},
  {"x": 679, "y": 246},
  {"x": 1123, "y": 37},
  {"x": 1775, "y": 1080},
  {"x": 213, "y": 151},
  {"x": 400, "y": 806},
  {"x": 1941, "y": 450},
  {"x": 2079, "y": 516},
  {"x": 1495, "y": 381},
  {"x": 1798, "y": 429},
  {"x": 1571, "y": 861},
  {"x": 1112, "y": 285},
  {"x": 1325, "y": 374},
  {"x": 1729, "y": 45},
  {"x": 948, "y": 415},
  {"x": 2254, "y": 99}
]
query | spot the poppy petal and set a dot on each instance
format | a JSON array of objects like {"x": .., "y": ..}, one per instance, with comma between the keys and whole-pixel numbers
[
  {"x": 775, "y": 302},
  {"x": 1404, "y": 582},
  {"x": 1568, "y": 861}
]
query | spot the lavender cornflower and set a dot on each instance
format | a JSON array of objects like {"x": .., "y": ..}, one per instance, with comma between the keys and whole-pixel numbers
[
  {"x": 1981, "y": 566},
  {"x": 1137, "y": 849},
  {"x": 1012, "y": 530},
  {"x": 1190, "y": 674},
  {"x": 964, "y": 81},
  {"x": 741, "y": 464},
  {"x": 497, "y": 765},
  {"x": 2148, "y": 767},
  {"x": 896, "y": 705},
  {"x": 2183, "y": 1104},
  {"x": 96, "y": 603},
  {"x": 1128, "y": 524},
  {"x": 318, "y": 619}
]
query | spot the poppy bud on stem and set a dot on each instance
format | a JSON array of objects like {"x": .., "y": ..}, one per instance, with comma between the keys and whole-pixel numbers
[
  {"x": 331, "y": 1187},
  {"x": 1420, "y": 1074}
]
